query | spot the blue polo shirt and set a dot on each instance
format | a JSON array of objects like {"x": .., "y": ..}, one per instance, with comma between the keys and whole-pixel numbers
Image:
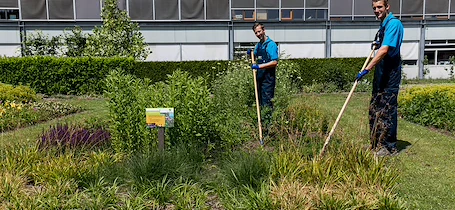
[
  {"x": 266, "y": 52},
  {"x": 393, "y": 34}
]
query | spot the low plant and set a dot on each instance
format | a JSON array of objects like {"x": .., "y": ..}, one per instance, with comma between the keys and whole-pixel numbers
[{"x": 20, "y": 93}]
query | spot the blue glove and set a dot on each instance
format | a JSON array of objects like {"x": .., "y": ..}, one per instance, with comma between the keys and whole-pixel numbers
[
  {"x": 362, "y": 74},
  {"x": 375, "y": 45},
  {"x": 255, "y": 66},
  {"x": 248, "y": 52}
]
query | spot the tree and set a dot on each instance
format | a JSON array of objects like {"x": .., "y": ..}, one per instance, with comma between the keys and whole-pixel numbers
[
  {"x": 39, "y": 44},
  {"x": 74, "y": 42},
  {"x": 118, "y": 36}
]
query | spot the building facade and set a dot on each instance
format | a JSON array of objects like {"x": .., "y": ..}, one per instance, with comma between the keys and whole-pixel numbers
[{"x": 180, "y": 30}]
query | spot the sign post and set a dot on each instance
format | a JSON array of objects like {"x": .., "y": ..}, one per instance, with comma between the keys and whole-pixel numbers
[{"x": 160, "y": 118}]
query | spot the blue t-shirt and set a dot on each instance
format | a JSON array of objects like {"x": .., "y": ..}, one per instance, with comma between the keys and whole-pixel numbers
[
  {"x": 393, "y": 34},
  {"x": 266, "y": 52}
]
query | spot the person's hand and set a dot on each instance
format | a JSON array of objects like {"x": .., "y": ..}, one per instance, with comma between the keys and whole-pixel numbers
[
  {"x": 255, "y": 66},
  {"x": 362, "y": 74},
  {"x": 248, "y": 52},
  {"x": 375, "y": 45}
]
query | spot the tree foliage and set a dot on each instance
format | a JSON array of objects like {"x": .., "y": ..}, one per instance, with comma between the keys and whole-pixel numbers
[{"x": 118, "y": 36}]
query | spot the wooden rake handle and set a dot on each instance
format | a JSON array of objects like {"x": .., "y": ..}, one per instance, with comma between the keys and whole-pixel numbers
[
  {"x": 327, "y": 140},
  {"x": 258, "y": 110}
]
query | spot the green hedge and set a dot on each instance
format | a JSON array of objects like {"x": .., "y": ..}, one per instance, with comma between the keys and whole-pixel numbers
[
  {"x": 429, "y": 106},
  {"x": 50, "y": 75}
]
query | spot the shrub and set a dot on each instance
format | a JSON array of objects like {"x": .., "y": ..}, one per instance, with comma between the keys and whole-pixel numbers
[
  {"x": 429, "y": 106},
  {"x": 22, "y": 94}
]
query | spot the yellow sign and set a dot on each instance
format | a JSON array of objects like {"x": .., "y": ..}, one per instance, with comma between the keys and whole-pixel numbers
[{"x": 159, "y": 117}]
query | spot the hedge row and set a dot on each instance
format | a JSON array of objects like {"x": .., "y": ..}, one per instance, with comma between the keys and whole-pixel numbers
[
  {"x": 429, "y": 106},
  {"x": 50, "y": 75}
]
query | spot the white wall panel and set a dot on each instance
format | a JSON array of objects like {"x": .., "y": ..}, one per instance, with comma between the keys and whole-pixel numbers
[
  {"x": 303, "y": 50},
  {"x": 177, "y": 35},
  {"x": 164, "y": 53},
  {"x": 435, "y": 33},
  {"x": 10, "y": 50},
  {"x": 204, "y": 52},
  {"x": 350, "y": 50},
  {"x": 354, "y": 34},
  {"x": 411, "y": 34},
  {"x": 10, "y": 36},
  {"x": 410, "y": 51},
  {"x": 282, "y": 35}
]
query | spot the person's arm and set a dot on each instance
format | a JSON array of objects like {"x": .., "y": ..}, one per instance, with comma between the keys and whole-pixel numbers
[{"x": 382, "y": 52}]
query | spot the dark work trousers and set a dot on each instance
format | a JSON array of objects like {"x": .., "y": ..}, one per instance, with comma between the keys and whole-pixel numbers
[
  {"x": 383, "y": 114},
  {"x": 266, "y": 80}
]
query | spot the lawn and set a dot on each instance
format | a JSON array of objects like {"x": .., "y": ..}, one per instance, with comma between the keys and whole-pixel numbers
[{"x": 427, "y": 180}]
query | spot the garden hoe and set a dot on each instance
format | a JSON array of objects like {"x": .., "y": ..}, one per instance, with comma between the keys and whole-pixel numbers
[
  {"x": 258, "y": 110},
  {"x": 324, "y": 148}
]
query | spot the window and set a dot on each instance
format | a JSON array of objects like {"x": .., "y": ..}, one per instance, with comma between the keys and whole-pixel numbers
[
  {"x": 362, "y": 7},
  {"x": 167, "y": 9},
  {"x": 61, "y": 9},
  {"x": 267, "y": 3},
  {"x": 292, "y": 3},
  {"x": 317, "y": 3},
  {"x": 9, "y": 14},
  {"x": 141, "y": 9},
  {"x": 269, "y": 14},
  {"x": 9, "y": 3},
  {"x": 193, "y": 10},
  {"x": 33, "y": 9},
  {"x": 88, "y": 9},
  {"x": 287, "y": 15},
  {"x": 242, "y": 3},
  {"x": 412, "y": 7},
  {"x": 395, "y": 8},
  {"x": 341, "y": 7},
  {"x": 243, "y": 15},
  {"x": 452, "y": 7},
  {"x": 218, "y": 9},
  {"x": 315, "y": 14},
  {"x": 436, "y": 7}
]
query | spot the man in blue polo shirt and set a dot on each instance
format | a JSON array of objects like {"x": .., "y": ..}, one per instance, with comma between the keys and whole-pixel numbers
[
  {"x": 386, "y": 82},
  {"x": 266, "y": 53}
]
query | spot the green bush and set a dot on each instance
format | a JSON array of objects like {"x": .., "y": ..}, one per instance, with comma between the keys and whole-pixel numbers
[
  {"x": 50, "y": 75},
  {"x": 129, "y": 96},
  {"x": 19, "y": 93},
  {"x": 429, "y": 106}
]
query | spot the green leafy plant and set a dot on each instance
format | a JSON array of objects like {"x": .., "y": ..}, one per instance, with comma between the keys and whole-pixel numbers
[{"x": 118, "y": 36}]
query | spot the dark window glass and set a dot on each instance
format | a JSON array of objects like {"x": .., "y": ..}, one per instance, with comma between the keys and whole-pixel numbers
[
  {"x": 141, "y": 9},
  {"x": 317, "y": 3},
  {"x": 242, "y": 3},
  {"x": 412, "y": 7},
  {"x": 192, "y": 10},
  {"x": 2, "y": 14},
  {"x": 33, "y": 9},
  {"x": 12, "y": 14},
  {"x": 267, "y": 14},
  {"x": 267, "y": 3},
  {"x": 167, "y": 9},
  {"x": 88, "y": 9},
  {"x": 9, "y": 3},
  {"x": 452, "y": 7},
  {"x": 395, "y": 7},
  {"x": 298, "y": 14},
  {"x": 61, "y": 9},
  {"x": 218, "y": 9},
  {"x": 316, "y": 14},
  {"x": 341, "y": 7},
  {"x": 362, "y": 7},
  {"x": 436, "y": 6},
  {"x": 292, "y": 3}
]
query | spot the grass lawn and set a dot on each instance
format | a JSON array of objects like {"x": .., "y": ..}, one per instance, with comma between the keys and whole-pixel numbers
[{"x": 427, "y": 167}]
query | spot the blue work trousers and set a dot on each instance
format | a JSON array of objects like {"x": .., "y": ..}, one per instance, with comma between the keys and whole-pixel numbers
[{"x": 266, "y": 79}]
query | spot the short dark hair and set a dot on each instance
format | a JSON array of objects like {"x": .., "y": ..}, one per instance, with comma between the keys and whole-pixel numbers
[
  {"x": 386, "y": 2},
  {"x": 258, "y": 24}
]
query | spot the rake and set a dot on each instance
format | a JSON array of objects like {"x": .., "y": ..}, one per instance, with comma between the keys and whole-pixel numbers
[
  {"x": 327, "y": 140},
  {"x": 258, "y": 110}
]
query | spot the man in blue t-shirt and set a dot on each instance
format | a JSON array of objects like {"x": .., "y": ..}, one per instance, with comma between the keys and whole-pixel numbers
[
  {"x": 386, "y": 82},
  {"x": 266, "y": 53}
]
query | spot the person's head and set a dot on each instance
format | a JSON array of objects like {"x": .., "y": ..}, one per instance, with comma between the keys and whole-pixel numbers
[
  {"x": 259, "y": 31},
  {"x": 381, "y": 8}
]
